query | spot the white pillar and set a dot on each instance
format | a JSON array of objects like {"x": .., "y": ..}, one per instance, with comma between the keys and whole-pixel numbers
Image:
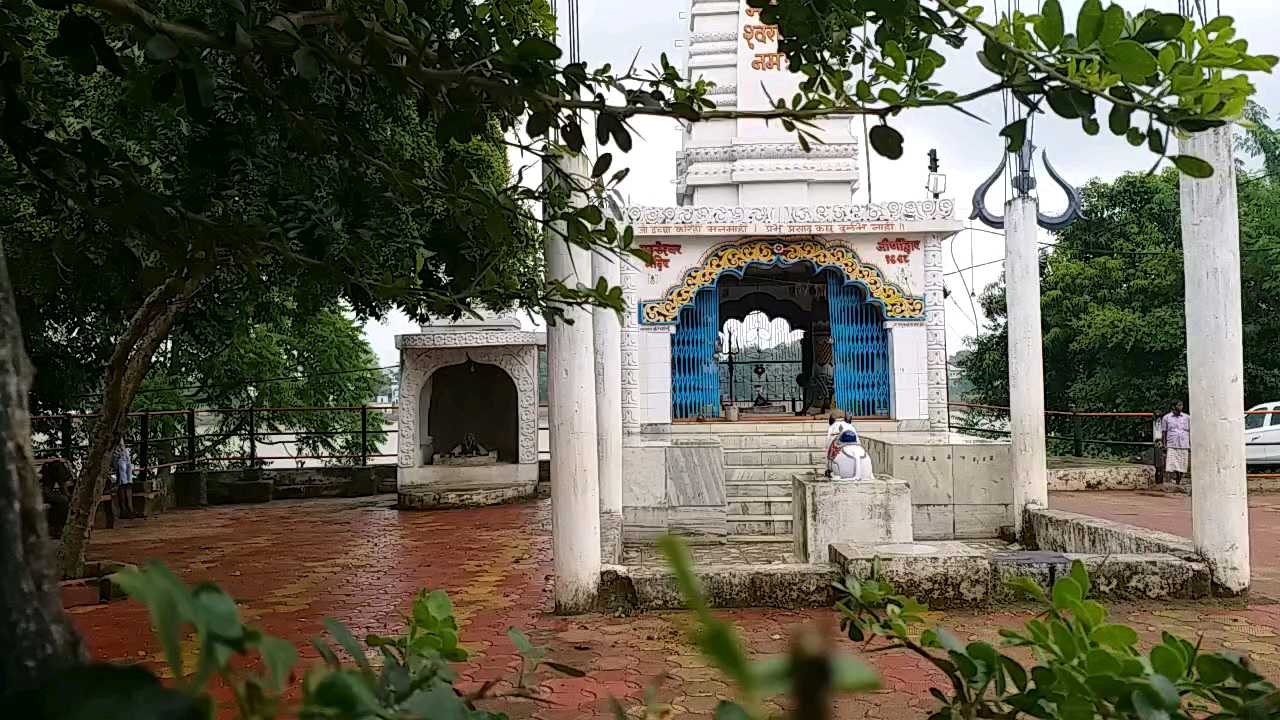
[
  {"x": 575, "y": 492},
  {"x": 608, "y": 355},
  {"x": 935, "y": 318},
  {"x": 1215, "y": 360},
  {"x": 1026, "y": 358}
]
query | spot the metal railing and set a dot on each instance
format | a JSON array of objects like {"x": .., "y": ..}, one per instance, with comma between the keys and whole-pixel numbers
[
  {"x": 1077, "y": 422},
  {"x": 65, "y": 436}
]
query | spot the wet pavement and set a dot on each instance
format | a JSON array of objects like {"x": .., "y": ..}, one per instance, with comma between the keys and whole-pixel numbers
[{"x": 291, "y": 564}]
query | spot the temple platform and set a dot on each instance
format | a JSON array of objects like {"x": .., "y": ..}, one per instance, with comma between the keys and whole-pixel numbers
[{"x": 439, "y": 487}]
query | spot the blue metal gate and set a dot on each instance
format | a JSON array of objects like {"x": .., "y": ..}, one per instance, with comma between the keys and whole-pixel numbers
[
  {"x": 695, "y": 374},
  {"x": 861, "y": 349}
]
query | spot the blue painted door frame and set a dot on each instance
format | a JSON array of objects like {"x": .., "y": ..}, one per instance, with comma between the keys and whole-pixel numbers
[
  {"x": 695, "y": 374},
  {"x": 861, "y": 348},
  {"x": 858, "y": 338}
]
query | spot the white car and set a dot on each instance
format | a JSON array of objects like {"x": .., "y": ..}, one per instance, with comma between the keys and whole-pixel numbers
[{"x": 1260, "y": 430}]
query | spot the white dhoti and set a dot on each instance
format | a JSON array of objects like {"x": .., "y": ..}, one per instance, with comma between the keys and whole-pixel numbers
[{"x": 1177, "y": 460}]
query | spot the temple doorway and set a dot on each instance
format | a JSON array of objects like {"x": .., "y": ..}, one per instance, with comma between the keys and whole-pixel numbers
[{"x": 780, "y": 341}]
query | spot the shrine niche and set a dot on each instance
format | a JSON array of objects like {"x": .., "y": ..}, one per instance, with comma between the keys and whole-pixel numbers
[{"x": 468, "y": 415}]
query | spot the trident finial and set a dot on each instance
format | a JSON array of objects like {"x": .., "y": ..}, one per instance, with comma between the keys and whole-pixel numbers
[{"x": 1024, "y": 182}]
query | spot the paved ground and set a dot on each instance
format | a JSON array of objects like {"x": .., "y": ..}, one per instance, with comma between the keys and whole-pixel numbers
[{"x": 290, "y": 564}]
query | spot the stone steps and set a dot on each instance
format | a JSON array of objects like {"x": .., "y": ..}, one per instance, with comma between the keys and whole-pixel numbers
[
  {"x": 774, "y": 441},
  {"x": 756, "y": 489},
  {"x": 773, "y": 458},
  {"x": 753, "y": 506},
  {"x": 759, "y": 524}
]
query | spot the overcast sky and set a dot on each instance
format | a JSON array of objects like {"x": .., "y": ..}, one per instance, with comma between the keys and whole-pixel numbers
[{"x": 613, "y": 30}]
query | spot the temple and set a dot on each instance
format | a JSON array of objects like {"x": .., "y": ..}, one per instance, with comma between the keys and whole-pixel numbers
[{"x": 771, "y": 295}]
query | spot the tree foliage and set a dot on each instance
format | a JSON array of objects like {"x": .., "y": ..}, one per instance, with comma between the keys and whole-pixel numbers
[{"x": 1112, "y": 307}]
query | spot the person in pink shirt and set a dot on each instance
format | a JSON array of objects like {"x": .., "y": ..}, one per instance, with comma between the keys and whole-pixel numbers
[{"x": 1175, "y": 435}]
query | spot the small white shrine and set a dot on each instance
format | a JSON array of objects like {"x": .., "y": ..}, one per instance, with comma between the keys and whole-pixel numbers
[{"x": 468, "y": 415}]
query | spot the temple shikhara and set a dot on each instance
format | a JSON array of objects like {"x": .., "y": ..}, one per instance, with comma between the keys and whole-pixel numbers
[{"x": 770, "y": 293}]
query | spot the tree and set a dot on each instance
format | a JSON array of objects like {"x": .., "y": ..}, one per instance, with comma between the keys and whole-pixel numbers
[
  {"x": 1113, "y": 313},
  {"x": 470, "y": 69}
]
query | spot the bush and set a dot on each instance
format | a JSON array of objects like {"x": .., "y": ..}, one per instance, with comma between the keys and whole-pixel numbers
[{"x": 1084, "y": 667}]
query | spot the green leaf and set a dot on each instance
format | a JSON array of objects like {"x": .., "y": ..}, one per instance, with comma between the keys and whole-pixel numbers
[
  {"x": 160, "y": 47},
  {"x": 305, "y": 62},
  {"x": 167, "y": 600},
  {"x": 1081, "y": 575},
  {"x": 1064, "y": 639},
  {"x": 1161, "y": 28},
  {"x": 1119, "y": 119},
  {"x": 1066, "y": 592},
  {"x": 347, "y": 694},
  {"x": 1213, "y": 669},
  {"x": 1016, "y": 134},
  {"x": 1145, "y": 709},
  {"x": 1089, "y": 23},
  {"x": 601, "y": 165},
  {"x": 1119, "y": 637},
  {"x": 217, "y": 612},
  {"x": 1060, "y": 102},
  {"x": 1017, "y": 674},
  {"x": 1049, "y": 27},
  {"x": 1133, "y": 62},
  {"x": 439, "y": 606},
  {"x": 726, "y": 710},
  {"x": 852, "y": 675},
  {"x": 1155, "y": 140},
  {"x": 886, "y": 141},
  {"x": 1135, "y": 137},
  {"x": 279, "y": 656},
  {"x": 538, "y": 49},
  {"x": 437, "y": 702},
  {"x": 1112, "y": 26},
  {"x": 1193, "y": 166},
  {"x": 348, "y": 643},
  {"x": 1101, "y": 662},
  {"x": 1166, "y": 661},
  {"x": 521, "y": 641}
]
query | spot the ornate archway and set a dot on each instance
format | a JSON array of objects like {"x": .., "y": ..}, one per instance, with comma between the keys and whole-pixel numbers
[
  {"x": 520, "y": 363},
  {"x": 735, "y": 258}
]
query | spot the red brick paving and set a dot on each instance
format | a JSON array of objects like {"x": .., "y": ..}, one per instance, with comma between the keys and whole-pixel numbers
[{"x": 359, "y": 561}]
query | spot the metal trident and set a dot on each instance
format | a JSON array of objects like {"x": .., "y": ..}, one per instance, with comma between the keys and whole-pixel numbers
[{"x": 1024, "y": 182}]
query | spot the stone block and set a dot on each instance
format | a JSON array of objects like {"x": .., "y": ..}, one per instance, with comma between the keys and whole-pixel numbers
[
  {"x": 928, "y": 469},
  {"x": 981, "y": 521},
  {"x": 644, "y": 476},
  {"x": 225, "y": 490},
  {"x": 628, "y": 590},
  {"x": 694, "y": 522},
  {"x": 1123, "y": 578},
  {"x": 867, "y": 512},
  {"x": 1069, "y": 532},
  {"x": 643, "y": 524},
  {"x": 980, "y": 475},
  {"x": 742, "y": 458},
  {"x": 190, "y": 489},
  {"x": 695, "y": 476},
  {"x": 941, "y": 574},
  {"x": 744, "y": 474},
  {"x": 933, "y": 522}
]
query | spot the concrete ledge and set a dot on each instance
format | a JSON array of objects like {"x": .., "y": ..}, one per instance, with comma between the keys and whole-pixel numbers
[
  {"x": 467, "y": 486},
  {"x": 1112, "y": 577},
  {"x": 789, "y": 586},
  {"x": 1078, "y": 474},
  {"x": 942, "y": 574},
  {"x": 1068, "y": 532}
]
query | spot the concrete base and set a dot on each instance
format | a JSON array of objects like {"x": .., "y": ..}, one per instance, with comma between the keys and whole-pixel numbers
[
  {"x": 941, "y": 574},
  {"x": 434, "y": 488},
  {"x": 1072, "y": 474},
  {"x": 863, "y": 513},
  {"x": 1068, "y": 532},
  {"x": 641, "y": 589},
  {"x": 960, "y": 487},
  {"x": 674, "y": 485}
]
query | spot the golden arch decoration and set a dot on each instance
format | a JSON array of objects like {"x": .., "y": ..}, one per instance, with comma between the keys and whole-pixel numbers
[{"x": 737, "y": 257}]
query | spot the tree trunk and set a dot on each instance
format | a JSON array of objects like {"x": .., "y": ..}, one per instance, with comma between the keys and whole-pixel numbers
[
  {"x": 36, "y": 640},
  {"x": 130, "y": 361}
]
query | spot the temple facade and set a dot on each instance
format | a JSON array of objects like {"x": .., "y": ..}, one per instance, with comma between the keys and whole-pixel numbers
[{"x": 770, "y": 295}]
